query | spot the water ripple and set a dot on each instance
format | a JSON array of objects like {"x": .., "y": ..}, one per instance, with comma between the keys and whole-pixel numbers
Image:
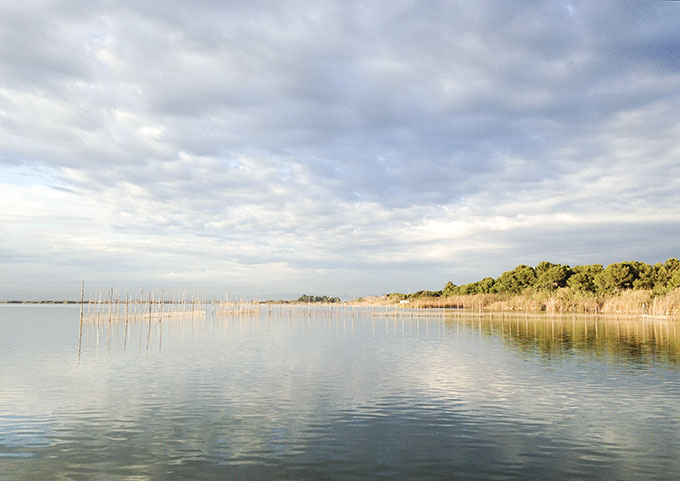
[{"x": 337, "y": 397}]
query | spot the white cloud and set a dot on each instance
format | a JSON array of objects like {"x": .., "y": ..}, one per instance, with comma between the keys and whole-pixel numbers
[{"x": 351, "y": 149}]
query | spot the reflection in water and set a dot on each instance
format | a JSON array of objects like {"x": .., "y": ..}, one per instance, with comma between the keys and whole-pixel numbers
[
  {"x": 627, "y": 339},
  {"x": 311, "y": 392}
]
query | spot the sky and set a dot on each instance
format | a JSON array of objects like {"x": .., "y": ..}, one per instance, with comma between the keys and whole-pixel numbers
[{"x": 271, "y": 149}]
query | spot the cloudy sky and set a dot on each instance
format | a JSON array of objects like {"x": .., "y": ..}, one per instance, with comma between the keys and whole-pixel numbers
[{"x": 271, "y": 149}]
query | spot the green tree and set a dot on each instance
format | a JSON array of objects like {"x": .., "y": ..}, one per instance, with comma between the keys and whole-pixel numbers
[
  {"x": 516, "y": 280},
  {"x": 308, "y": 298},
  {"x": 672, "y": 265},
  {"x": 553, "y": 277},
  {"x": 617, "y": 276},
  {"x": 663, "y": 273},
  {"x": 418, "y": 294},
  {"x": 674, "y": 281},
  {"x": 661, "y": 278},
  {"x": 486, "y": 285},
  {"x": 480, "y": 287},
  {"x": 583, "y": 278},
  {"x": 593, "y": 278},
  {"x": 644, "y": 275},
  {"x": 542, "y": 267},
  {"x": 450, "y": 289}
]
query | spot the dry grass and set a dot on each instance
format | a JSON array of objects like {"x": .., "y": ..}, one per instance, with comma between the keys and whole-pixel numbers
[
  {"x": 628, "y": 301},
  {"x": 560, "y": 301}
]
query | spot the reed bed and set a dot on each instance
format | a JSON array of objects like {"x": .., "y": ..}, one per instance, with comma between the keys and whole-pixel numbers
[
  {"x": 552, "y": 333},
  {"x": 638, "y": 302},
  {"x": 109, "y": 306}
]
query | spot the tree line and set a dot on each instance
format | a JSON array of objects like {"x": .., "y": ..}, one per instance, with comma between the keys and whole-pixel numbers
[
  {"x": 326, "y": 299},
  {"x": 593, "y": 279}
]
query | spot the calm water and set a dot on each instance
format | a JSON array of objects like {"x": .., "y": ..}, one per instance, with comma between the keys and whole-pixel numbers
[{"x": 297, "y": 395}]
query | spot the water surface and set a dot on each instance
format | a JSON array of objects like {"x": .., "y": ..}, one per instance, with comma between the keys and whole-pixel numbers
[{"x": 340, "y": 394}]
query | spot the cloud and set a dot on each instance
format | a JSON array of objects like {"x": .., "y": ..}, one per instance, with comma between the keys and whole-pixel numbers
[{"x": 317, "y": 145}]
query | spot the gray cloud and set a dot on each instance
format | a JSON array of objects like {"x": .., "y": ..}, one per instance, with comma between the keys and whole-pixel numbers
[{"x": 298, "y": 145}]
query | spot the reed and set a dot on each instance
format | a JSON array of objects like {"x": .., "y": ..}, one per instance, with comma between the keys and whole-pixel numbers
[
  {"x": 563, "y": 300},
  {"x": 109, "y": 307}
]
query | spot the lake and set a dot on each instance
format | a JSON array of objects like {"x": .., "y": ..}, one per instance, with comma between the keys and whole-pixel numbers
[{"x": 313, "y": 393}]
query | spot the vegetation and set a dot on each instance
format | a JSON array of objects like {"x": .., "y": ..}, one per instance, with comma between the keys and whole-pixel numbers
[
  {"x": 40, "y": 302},
  {"x": 324, "y": 299},
  {"x": 626, "y": 287},
  {"x": 659, "y": 278},
  {"x": 396, "y": 296}
]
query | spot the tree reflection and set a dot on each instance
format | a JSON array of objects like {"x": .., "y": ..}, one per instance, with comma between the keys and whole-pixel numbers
[{"x": 555, "y": 337}]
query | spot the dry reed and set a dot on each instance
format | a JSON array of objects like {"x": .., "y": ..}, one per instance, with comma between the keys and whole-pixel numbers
[{"x": 560, "y": 301}]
